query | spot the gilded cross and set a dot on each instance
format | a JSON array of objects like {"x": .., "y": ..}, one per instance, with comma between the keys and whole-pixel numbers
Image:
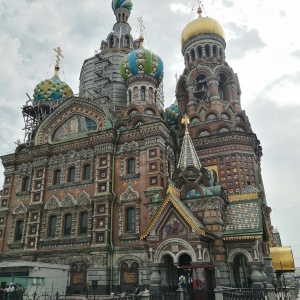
[
  {"x": 141, "y": 24},
  {"x": 58, "y": 55}
]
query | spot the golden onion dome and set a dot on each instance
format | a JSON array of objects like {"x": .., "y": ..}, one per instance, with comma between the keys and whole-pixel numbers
[{"x": 201, "y": 25}]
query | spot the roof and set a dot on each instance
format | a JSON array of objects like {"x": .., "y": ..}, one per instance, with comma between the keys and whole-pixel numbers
[
  {"x": 243, "y": 218},
  {"x": 282, "y": 258}
]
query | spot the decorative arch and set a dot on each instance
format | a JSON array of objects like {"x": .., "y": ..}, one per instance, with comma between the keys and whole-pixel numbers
[
  {"x": 68, "y": 201},
  {"x": 206, "y": 255},
  {"x": 159, "y": 253},
  {"x": 206, "y": 71},
  {"x": 238, "y": 251},
  {"x": 66, "y": 110},
  {"x": 52, "y": 203},
  {"x": 84, "y": 199},
  {"x": 129, "y": 194},
  {"x": 20, "y": 209},
  {"x": 131, "y": 108}
]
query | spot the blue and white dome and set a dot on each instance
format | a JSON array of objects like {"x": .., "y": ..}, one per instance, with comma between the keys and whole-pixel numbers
[{"x": 115, "y": 4}]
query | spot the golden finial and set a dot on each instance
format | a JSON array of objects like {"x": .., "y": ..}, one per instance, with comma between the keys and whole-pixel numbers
[
  {"x": 142, "y": 27},
  {"x": 186, "y": 121},
  {"x": 58, "y": 56}
]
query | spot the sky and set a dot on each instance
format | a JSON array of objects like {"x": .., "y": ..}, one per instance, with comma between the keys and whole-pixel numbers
[{"x": 263, "y": 48}]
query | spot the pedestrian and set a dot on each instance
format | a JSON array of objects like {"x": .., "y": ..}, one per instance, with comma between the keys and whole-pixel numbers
[
  {"x": 136, "y": 290},
  {"x": 20, "y": 292},
  {"x": 10, "y": 291}
]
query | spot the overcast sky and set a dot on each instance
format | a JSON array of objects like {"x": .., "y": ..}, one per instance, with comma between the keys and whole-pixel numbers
[{"x": 263, "y": 48}]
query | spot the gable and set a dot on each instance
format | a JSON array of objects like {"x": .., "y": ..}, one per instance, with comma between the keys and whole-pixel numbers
[{"x": 72, "y": 119}]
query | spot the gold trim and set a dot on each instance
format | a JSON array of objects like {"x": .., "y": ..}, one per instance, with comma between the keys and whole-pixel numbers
[
  {"x": 173, "y": 190},
  {"x": 243, "y": 197},
  {"x": 180, "y": 210},
  {"x": 242, "y": 237}
]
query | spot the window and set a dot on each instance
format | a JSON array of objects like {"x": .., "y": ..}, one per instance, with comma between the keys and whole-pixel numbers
[
  {"x": 129, "y": 96},
  {"x": 83, "y": 223},
  {"x": 25, "y": 184},
  {"x": 102, "y": 187},
  {"x": 57, "y": 175},
  {"x": 71, "y": 176},
  {"x": 87, "y": 172},
  {"x": 130, "y": 166},
  {"x": 52, "y": 226},
  {"x": 19, "y": 230},
  {"x": 67, "y": 225},
  {"x": 143, "y": 93},
  {"x": 130, "y": 219}
]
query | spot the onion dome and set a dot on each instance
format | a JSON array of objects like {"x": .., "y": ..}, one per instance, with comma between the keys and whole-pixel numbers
[
  {"x": 172, "y": 113},
  {"x": 141, "y": 61},
  {"x": 200, "y": 26},
  {"x": 51, "y": 89},
  {"x": 115, "y": 4}
]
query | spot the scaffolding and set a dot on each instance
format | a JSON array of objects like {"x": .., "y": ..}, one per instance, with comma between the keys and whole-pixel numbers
[
  {"x": 102, "y": 78},
  {"x": 33, "y": 114}
]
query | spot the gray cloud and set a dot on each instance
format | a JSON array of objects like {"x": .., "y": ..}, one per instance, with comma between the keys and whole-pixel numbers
[
  {"x": 246, "y": 41},
  {"x": 295, "y": 54},
  {"x": 228, "y": 3}
]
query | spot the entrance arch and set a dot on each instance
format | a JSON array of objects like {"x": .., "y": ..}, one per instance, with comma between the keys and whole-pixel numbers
[
  {"x": 171, "y": 272},
  {"x": 241, "y": 272}
]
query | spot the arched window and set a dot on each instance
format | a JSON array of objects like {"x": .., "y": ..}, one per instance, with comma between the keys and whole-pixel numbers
[
  {"x": 239, "y": 128},
  {"x": 129, "y": 97},
  {"x": 143, "y": 93},
  {"x": 19, "y": 230},
  {"x": 71, "y": 175},
  {"x": 199, "y": 51},
  {"x": 224, "y": 117},
  {"x": 207, "y": 52},
  {"x": 130, "y": 218},
  {"x": 83, "y": 223},
  {"x": 223, "y": 129},
  {"x": 130, "y": 166},
  {"x": 211, "y": 117},
  {"x": 52, "y": 226},
  {"x": 67, "y": 225},
  {"x": 87, "y": 172},
  {"x": 25, "y": 184},
  {"x": 57, "y": 176},
  {"x": 193, "y": 57},
  {"x": 215, "y": 50}
]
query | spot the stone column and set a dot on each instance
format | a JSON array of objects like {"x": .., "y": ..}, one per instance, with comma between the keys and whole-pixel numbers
[
  {"x": 218, "y": 293},
  {"x": 270, "y": 271},
  {"x": 255, "y": 276},
  {"x": 155, "y": 280}
]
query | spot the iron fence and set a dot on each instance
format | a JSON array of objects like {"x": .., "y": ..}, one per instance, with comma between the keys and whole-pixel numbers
[{"x": 244, "y": 294}]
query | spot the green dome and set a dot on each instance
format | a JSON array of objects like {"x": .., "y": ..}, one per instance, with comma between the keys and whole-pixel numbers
[
  {"x": 141, "y": 61},
  {"x": 51, "y": 90}
]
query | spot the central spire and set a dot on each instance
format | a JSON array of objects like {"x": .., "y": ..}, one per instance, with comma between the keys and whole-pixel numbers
[{"x": 188, "y": 156}]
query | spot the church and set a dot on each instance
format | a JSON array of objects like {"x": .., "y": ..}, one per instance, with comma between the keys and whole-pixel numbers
[{"x": 124, "y": 191}]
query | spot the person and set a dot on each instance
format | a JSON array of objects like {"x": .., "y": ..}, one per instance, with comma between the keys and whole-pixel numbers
[
  {"x": 146, "y": 290},
  {"x": 10, "y": 291},
  {"x": 19, "y": 292},
  {"x": 136, "y": 290}
]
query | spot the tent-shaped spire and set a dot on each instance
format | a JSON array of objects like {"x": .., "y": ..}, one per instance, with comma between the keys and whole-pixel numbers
[{"x": 188, "y": 155}]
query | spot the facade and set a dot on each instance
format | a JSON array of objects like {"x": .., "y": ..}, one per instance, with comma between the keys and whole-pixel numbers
[{"x": 123, "y": 192}]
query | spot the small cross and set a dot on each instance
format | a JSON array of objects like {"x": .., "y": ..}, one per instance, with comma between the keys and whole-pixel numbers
[
  {"x": 58, "y": 55},
  {"x": 141, "y": 24}
]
